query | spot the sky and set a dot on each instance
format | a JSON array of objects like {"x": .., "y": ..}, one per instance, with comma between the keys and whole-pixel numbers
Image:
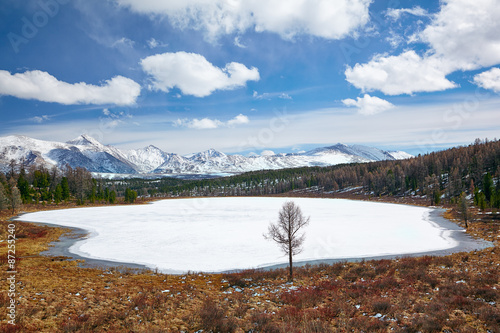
[{"x": 251, "y": 76}]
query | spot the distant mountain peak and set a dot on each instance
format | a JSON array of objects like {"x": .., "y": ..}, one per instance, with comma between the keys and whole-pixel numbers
[
  {"x": 85, "y": 151},
  {"x": 209, "y": 153},
  {"x": 84, "y": 140},
  {"x": 151, "y": 148},
  {"x": 212, "y": 151}
]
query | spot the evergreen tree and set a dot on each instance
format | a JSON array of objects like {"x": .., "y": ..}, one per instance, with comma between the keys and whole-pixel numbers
[
  {"x": 93, "y": 191},
  {"x": 495, "y": 199},
  {"x": 481, "y": 201},
  {"x": 436, "y": 197},
  {"x": 476, "y": 196},
  {"x": 65, "y": 188},
  {"x": 4, "y": 201},
  {"x": 23, "y": 186},
  {"x": 58, "y": 194},
  {"x": 130, "y": 195},
  {"x": 112, "y": 197},
  {"x": 488, "y": 187}
]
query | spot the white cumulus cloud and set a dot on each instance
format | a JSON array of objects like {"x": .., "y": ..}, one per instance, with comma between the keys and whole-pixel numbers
[
  {"x": 204, "y": 123},
  {"x": 406, "y": 73},
  {"x": 463, "y": 35},
  {"x": 322, "y": 18},
  {"x": 207, "y": 123},
  {"x": 238, "y": 120},
  {"x": 369, "y": 105},
  {"x": 195, "y": 75},
  {"x": 489, "y": 79},
  {"x": 44, "y": 87}
]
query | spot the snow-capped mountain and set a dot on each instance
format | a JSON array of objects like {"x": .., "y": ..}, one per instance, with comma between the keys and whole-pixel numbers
[
  {"x": 147, "y": 159},
  {"x": 364, "y": 152},
  {"x": 85, "y": 151}
]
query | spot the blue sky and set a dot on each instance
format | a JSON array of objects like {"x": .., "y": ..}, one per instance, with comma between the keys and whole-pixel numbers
[{"x": 249, "y": 76}]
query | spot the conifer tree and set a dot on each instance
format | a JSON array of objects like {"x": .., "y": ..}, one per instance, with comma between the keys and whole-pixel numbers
[
  {"x": 65, "y": 188},
  {"x": 4, "y": 201},
  {"x": 488, "y": 187},
  {"x": 130, "y": 195},
  {"x": 58, "y": 194},
  {"x": 112, "y": 196},
  {"x": 23, "y": 186}
]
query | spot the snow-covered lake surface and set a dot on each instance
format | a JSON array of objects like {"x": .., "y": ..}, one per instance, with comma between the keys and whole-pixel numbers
[{"x": 219, "y": 234}]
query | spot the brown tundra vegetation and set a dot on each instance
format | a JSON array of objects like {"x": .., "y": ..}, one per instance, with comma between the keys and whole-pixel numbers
[{"x": 454, "y": 293}]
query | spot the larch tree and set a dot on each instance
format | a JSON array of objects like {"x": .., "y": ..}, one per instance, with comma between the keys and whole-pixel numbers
[
  {"x": 286, "y": 231},
  {"x": 15, "y": 199},
  {"x": 463, "y": 208}
]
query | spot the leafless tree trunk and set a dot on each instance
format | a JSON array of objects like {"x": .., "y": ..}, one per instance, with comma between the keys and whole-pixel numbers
[
  {"x": 15, "y": 199},
  {"x": 285, "y": 231},
  {"x": 463, "y": 206}
]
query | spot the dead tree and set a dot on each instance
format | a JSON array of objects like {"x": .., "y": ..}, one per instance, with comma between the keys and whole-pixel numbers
[{"x": 285, "y": 231}]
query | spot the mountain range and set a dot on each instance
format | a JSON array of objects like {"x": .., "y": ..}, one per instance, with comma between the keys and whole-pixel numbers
[{"x": 87, "y": 152}]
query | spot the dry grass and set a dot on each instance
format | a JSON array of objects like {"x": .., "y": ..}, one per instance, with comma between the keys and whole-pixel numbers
[{"x": 456, "y": 293}]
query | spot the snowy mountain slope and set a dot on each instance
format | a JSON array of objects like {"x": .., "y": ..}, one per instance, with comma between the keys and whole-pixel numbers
[
  {"x": 85, "y": 151},
  {"x": 105, "y": 157},
  {"x": 147, "y": 159},
  {"x": 30, "y": 151},
  {"x": 400, "y": 155},
  {"x": 174, "y": 164}
]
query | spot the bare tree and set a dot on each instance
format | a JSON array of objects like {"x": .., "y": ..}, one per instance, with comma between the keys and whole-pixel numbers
[
  {"x": 463, "y": 208},
  {"x": 285, "y": 231},
  {"x": 15, "y": 196}
]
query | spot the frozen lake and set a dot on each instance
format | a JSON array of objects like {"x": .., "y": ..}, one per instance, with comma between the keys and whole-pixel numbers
[{"x": 219, "y": 234}]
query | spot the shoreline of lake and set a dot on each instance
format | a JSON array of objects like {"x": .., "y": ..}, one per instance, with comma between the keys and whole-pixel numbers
[{"x": 465, "y": 243}]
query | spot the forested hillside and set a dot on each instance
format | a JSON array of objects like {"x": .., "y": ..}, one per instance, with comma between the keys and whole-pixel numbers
[{"x": 438, "y": 177}]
